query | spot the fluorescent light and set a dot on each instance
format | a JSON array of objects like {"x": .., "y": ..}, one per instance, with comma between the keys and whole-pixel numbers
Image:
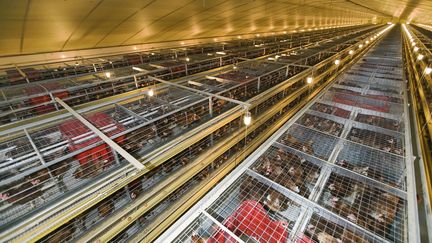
[
  {"x": 247, "y": 119},
  {"x": 138, "y": 69}
]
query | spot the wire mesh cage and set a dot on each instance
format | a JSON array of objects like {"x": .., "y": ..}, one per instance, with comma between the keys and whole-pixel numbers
[{"x": 337, "y": 173}]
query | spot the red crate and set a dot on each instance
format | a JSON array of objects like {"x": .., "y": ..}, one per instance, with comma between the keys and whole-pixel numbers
[
  {"x": 42, "y": 109},
  {"x": 251, "y": 219},
  {"x": 348, "y": 100},
  {"x": 73, "y": 129}
]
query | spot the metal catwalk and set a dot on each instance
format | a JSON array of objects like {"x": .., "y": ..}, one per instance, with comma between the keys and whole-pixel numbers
[{"x": 339, "y": 171}]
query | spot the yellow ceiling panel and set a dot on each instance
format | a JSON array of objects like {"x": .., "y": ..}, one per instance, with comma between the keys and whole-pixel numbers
[{"x": 34, "y": 26}]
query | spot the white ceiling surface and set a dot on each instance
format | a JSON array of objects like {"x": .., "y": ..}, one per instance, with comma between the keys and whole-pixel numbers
[{"x": 37, "y": 26}]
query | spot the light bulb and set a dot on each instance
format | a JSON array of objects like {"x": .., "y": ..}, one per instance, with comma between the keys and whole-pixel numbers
[
  {"x": 351, "y": 52},
  {"x": 150, "y": 92},
  {"x": 337, "y": 62},
  {"x": 360, "y": 46},
  {"x": 428, "y": 70},
  {"x": 108, "y": 74},
  {"x": 247, "y": 119},
  {"x": 187, "y": 59},
  {"x": 416, "y": 49},
  {"x": 309, "y": 80},
  {"x": 420, "y": 57}
]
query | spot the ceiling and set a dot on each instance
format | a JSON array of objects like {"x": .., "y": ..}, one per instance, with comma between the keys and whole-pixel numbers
[{"x": 37, "y": 26}]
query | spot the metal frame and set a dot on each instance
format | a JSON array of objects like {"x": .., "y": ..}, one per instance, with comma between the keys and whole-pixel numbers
[{"x": 209, "y": 199}]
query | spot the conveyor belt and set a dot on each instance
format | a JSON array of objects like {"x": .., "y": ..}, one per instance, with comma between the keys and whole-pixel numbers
[{"x": 341, "y": 169}]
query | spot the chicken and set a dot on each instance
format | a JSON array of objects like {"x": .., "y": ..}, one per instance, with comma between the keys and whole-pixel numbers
[
  {"x": 340, "y": 207},
  {"x": 197, "y": 239},
  {"x": 63, "y": 234},
  {"x": 275, "y": 201},
  {"x": 363, "y": 170},
  {"x": 311, "y": 172},
  {"x": 385, "y": 208},
  {"x": 106, "y": 207},
  {"x": 348, "y": 236},
  {"x": 291, "y": 141},
  {"x": 135, "y": 188},
  {"x": 26, "y": 189},
  {"x": 324, "y": 237},
  {"x": 340, "y": 186}
]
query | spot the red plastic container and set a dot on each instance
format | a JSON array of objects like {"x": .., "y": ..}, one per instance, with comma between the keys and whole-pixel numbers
[
  {"x": 73, "y": 130},
  {"x": 42, "y": 109},
  {"x": 251, "y": 219},
  {"x": 348, "y": 100}
]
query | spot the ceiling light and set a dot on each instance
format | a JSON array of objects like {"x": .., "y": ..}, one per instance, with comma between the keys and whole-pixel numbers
[{"x": 247, "y": 119}]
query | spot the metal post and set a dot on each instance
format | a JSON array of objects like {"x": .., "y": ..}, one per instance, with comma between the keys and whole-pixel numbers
[
  {"x": 259, "y": 83},
  {"x": 210, "y": 106},
  {"x": 136, "y": 81}
]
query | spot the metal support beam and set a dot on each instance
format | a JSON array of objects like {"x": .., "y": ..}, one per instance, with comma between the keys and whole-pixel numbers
[
  {"x": 225, "y": 229},
  {"x": 39, "y": 155},
  {"x": 244, "y": 104},
  {"x": 135, "y": 115},
  {"x": 104, "y": 137},
  {"x": 22, "y": 73},
  {"x": 206, "y": 86}
]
